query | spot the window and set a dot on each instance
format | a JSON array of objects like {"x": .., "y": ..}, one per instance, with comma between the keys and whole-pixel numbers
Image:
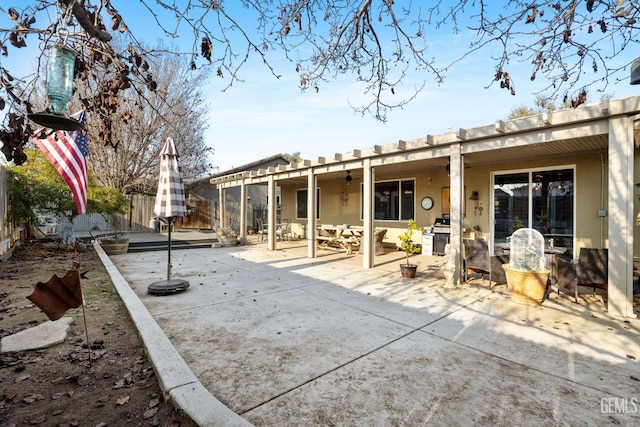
[
  {"x": 394, "y": 200},
  {"x": 542, "y": 199},
  {"x": 301, "y": 204}
]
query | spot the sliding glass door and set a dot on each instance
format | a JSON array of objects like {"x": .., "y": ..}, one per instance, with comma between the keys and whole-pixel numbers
[{"x": 538, "y": 199}]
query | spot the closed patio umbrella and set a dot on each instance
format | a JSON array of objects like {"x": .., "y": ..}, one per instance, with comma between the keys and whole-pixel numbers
[{"x": 170, "y": 204}]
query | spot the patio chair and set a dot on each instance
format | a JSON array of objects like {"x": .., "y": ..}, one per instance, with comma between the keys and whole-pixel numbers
[
  {"x": 591, "y": 270},
  {"x": 478, "y": 259},
  {"x": 262, "y": 229},
  {"x": 284, "y": 231},
  {"x": 378, "y": 237}
]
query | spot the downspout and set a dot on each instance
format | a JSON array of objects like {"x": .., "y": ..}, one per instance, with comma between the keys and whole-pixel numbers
[{"x": 602, "y": 207}]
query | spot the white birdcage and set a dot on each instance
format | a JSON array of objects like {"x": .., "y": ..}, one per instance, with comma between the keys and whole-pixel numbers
[{"x": 527, "y": 250}]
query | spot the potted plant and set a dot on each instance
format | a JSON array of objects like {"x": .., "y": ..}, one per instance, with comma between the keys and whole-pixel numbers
[
  {"x": 227, "y": 237},
  {"x": 526, "y": 273},
  {"x": 114, "y": 244},
  {"x": 409, "y": 248}
]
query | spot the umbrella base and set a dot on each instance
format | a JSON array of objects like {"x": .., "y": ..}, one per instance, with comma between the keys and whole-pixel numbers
[{"x": 167, "y": 287}]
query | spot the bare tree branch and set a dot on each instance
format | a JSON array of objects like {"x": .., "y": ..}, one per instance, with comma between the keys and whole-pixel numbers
[{"x": 378, "y": 43}]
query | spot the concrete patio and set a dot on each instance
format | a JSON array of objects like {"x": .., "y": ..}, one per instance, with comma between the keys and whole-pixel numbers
[{"x": 281, "y": 339}]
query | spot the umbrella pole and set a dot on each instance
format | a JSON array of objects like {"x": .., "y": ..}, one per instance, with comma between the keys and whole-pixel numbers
[{"x": 169, "y": 252}]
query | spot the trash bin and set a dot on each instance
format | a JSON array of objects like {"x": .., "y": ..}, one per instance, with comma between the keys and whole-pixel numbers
[
  {"x": 154, "y": 225},
  {"x": 427, "y": 242}
]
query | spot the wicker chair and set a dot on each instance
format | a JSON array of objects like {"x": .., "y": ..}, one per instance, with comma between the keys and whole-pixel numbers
[
  {"x": 477, "y": 258},
  {"x": 590, "y": 270}
]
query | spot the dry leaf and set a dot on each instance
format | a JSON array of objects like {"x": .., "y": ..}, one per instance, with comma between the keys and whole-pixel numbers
[
  {"x": 122, "y": 400},
  {"x": 631, "y": 356},
  {"x": 22, "y": 378},
  {"x": 39, "y": 419}
]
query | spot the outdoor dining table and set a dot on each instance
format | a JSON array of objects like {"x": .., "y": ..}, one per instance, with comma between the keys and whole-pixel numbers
[{"x": 344, "y": 236}]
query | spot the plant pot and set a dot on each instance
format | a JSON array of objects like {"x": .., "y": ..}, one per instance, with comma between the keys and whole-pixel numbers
[
  {"x": 408, "y": 270},
  {"x": 227, "y": 240},
  {"x": 526, "y": 287},
  {"x": 115, "y": 246}
]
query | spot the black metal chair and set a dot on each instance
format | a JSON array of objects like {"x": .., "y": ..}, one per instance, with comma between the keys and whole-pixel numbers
[{"x": 262, "y": 229}]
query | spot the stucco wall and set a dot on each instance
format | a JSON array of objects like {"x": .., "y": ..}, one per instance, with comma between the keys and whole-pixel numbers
[{"x": 590, "y": 229}]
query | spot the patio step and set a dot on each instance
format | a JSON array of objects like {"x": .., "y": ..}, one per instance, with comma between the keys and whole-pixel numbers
[{"x": 175, "y": 244}]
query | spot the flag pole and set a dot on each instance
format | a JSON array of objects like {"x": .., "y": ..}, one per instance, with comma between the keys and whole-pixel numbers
[
  {"x": 86, "y": 330},
  {"x": 76, "y": 264}
]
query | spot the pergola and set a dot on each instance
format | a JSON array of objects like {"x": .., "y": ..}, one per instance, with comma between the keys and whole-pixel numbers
[{"x": 610, "y": 127}]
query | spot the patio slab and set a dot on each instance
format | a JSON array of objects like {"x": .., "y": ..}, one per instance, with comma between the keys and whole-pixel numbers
[{"x": 295, "y": 341}]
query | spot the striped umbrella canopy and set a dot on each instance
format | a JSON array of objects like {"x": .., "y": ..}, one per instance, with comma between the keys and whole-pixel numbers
[
  {"x": 170, "y": 204},
  {"x": 170, "y": 200}
]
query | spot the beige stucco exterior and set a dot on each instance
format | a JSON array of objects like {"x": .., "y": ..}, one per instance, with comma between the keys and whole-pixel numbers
[{"x": 340, "y": 203}]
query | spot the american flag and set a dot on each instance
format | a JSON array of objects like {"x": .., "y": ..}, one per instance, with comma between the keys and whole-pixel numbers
[{"x": 67, "y": 151}]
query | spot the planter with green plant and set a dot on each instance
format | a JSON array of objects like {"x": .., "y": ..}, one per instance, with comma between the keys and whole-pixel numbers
[{"x": 409, "y": 248}]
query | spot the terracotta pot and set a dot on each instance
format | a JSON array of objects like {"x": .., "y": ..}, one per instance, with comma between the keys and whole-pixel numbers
[
  {"x": 526, "y": 287},
  {"x": 408, "y": 270}
]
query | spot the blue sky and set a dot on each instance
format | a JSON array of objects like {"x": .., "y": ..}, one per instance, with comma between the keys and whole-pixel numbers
[
  {"x": 262, "y": 115},
  {"x": 265, "y": 116}
]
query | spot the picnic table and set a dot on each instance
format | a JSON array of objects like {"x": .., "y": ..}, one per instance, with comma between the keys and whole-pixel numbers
[{"x": 342, "y": 237}]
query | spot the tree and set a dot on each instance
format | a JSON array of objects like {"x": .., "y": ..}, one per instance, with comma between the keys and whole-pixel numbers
[
  {"x": 376, "y": 42},
  {"x": 294, "y": 158},
  {"x": 176, "y": 108},
  {"x": 36, "y": 187},
  {"x": 541, "y": 104}
]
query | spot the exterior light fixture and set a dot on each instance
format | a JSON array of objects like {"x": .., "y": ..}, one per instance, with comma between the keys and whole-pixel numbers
[
  {"x": 60, "y": 67},
  {"x": 348, "y": 178}
]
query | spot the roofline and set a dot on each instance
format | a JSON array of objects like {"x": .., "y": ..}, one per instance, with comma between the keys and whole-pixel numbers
[{"x": 545, "y": 120}]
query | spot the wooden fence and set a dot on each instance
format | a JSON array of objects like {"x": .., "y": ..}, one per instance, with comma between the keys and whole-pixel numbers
[{"x": 140, "y": 214}]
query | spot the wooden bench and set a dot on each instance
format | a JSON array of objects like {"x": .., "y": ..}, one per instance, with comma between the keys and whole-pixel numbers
[{"x": 342, "y": 243}]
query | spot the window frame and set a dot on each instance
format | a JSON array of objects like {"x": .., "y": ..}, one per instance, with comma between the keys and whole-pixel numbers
[
  {"x": 306, "y": 191},
  {"x": 399, "y": 182}
]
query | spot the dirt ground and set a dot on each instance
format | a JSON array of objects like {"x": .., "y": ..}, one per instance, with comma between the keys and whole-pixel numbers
[{"x": 57, "y": 386}]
